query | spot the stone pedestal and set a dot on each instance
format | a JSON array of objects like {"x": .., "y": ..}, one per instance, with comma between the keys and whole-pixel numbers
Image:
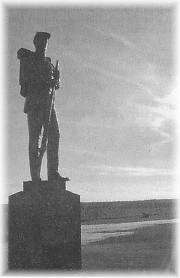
[{"x": 44, "y": 228}]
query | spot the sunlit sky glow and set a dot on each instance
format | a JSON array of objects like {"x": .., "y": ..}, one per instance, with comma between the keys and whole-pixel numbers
[{"x": 116, "y": 109}]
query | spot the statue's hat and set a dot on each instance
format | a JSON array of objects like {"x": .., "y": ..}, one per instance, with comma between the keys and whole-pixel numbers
[{"x": 41, "y": 35}]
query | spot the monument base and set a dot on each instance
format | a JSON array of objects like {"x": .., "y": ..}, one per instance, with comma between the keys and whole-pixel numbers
[{"x": 44, "y": 228}]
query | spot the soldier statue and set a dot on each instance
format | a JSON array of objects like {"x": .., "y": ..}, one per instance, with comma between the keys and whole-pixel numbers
[{"x": 38, "y": 80}]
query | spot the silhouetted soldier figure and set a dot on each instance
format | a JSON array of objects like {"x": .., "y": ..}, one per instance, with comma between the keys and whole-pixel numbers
[{"x": 38, "y": 80}]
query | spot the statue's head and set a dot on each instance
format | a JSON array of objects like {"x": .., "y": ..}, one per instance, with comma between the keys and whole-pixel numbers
[{"x": 41, "y": 41}]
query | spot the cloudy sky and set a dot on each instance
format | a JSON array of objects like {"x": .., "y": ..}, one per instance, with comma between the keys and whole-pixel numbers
[{"x": 116, "y": 106}]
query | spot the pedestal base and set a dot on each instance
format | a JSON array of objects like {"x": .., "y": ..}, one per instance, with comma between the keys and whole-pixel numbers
[{"x": 44, "y": 228}]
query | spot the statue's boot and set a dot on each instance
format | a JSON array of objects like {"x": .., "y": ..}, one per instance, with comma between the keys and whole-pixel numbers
[
  {"x": 36, "y": 181},
  {"x": 56, "y": 177}
]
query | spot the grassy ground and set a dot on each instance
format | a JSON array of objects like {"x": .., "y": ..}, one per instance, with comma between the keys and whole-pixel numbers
[{"x": 145, "y": 249}]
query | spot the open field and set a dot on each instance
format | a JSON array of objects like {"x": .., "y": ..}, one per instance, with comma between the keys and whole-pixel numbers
[
  {"x": 145, "y": 246},
  {"x": 127, "y": 211}
]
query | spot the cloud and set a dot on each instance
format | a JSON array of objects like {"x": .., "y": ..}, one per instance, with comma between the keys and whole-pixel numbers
[
  {"x": 105, "y": 170},
  {"x": 111, "y": 35}
]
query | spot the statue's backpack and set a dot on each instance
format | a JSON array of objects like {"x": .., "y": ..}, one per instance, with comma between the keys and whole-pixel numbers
[{"x": 24, "y": 55}]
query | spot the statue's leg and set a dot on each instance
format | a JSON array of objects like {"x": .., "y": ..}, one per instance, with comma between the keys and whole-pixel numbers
[
  {"x": 35, "y": 122},
  {"x": 53, "y": 145}
]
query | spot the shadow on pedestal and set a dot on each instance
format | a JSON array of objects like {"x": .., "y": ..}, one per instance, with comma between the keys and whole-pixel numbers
[{"x": 44, "y": 228}]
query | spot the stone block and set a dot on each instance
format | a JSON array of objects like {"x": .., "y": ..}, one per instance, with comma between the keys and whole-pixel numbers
[{"x": 44, "y": 228}]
